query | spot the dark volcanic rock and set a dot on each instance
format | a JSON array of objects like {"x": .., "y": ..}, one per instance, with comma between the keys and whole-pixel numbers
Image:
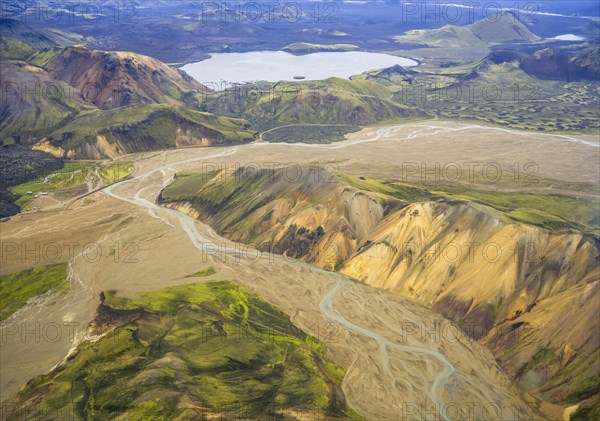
[
  {"x": 297, "y": 242},
  {"x": 551, "y": 63}
]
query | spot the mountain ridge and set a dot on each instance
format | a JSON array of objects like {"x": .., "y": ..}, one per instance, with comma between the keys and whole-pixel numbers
[{"x": 395, "y": 238}]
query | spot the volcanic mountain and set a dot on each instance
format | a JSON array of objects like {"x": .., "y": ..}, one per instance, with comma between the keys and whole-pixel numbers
[
  {"x": 116, "y": 79},
  {"x": 74, "y": 102},
  {"x": 487, "y": 269}
]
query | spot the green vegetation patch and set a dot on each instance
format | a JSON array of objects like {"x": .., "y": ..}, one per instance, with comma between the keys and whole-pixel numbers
[
  {"x": 152, "y": 125},
  {"x": 192, "y": 352},
  {"x": 587, "y": 412},
  {"x": 232, "y": 198},
  {"x": 17, "y": 288},
  {"x": 186, "y": 185},
  {"x": 204, "y": 272},
  {"x": 115, "y": 172},
  {"x": 19, "y": 165},
  {"x": 14, "y": 49},
  {"x": 553, "y": 212},
  {"x": 327, "y": 102},
  {"x": 585, "y": 389},
  {"x": 543, "y": 358},
  {"x": 388, "y": 190},
  {"x": 72, "y": 176}
]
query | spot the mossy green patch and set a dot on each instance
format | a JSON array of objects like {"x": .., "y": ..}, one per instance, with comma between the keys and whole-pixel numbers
[
  {"x": 192, "y": 351},
  {"x": 235, "y": 198},
  {"x": 14, "y": 49},
  {"x": 17, "y": 288},
  {"x": 543, "y": 358},
  {"x": 186, "y": 185},
  {"x": 553, "y": 212},
  {"x": 150, "y": 126},
  {"x": 204, "y": 272},
  {"x": 330, "y": 101},
  {"x": 587, "y": 412},
  {"x": 388, "y": 190},
  {"x": 73, "y": 175},
  {"x": 585, "y": 389},
  {"x": 115, "y": 172}
]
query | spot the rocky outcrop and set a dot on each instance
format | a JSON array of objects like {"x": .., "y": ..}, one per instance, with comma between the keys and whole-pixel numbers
[{"x": 554, "y": 63}]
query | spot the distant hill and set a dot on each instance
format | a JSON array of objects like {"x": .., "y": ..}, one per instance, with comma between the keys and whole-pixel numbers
[
  {"x": 505, "y": 28},
  {"x": 591, "y": 27},
  {"x": 448, "y": 36},
  {"x": 37, "y": 38},
  {"x": 308, "y": 48},
  {"x": 392, "y": 75}
]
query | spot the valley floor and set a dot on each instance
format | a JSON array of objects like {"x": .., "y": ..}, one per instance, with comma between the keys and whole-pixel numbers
[{"x": 139, "y": 246}]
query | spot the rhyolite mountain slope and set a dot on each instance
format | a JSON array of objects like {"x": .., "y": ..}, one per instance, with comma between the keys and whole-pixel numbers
[
  {"x": 61, "y": 117},
  {"x": 507, "y": 283},
  {"x": 78, "y": 103},
  {"x": 116, "y": 79},
  {"x": 112, "y": 133}
]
